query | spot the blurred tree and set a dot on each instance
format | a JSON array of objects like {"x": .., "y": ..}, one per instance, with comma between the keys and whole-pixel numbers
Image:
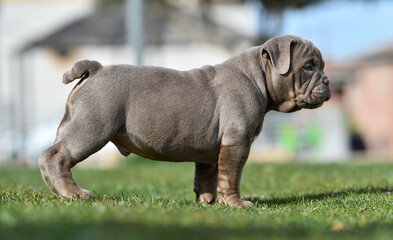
[{"x": 279, "y": 6}]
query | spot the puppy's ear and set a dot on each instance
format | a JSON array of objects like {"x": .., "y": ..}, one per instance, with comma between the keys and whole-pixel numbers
[{"x": 278, "y": 50}]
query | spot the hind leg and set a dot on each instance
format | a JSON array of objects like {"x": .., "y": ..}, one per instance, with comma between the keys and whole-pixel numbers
[
  {"x": 56, "y": 164},
  {"x": 79, "y": 141},
  {"x": 41, "y": 162},
  {"x": 48, "y": 154}
]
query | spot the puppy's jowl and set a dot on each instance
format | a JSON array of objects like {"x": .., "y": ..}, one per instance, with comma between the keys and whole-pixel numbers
[{"x": 209, "y": 115}]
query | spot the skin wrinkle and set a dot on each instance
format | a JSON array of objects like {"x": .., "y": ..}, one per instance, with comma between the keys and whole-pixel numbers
[
  {"x": 291, "y": 78},
  {"x": 270, "y": 89},
  {"x": 209, "y": 115},
  {"x": 317, "y": 77},
  {"x": 304, "y": 86}
]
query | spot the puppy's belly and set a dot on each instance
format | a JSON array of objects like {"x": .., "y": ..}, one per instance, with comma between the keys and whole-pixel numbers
[{"x": 184, "y": 153}]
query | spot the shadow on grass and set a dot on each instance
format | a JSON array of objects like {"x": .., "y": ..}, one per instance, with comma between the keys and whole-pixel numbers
[{"x": 319, "y": 196}]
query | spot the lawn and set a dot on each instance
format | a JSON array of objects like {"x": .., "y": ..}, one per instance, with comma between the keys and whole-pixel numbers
[{"x": 154, "y": 200}]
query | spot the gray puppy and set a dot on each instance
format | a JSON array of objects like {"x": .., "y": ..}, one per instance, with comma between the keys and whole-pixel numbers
[{"x": 209, "y": 115}]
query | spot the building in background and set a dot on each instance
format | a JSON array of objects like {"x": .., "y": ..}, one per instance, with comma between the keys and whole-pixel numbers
[{"x": 367, "y": 88}]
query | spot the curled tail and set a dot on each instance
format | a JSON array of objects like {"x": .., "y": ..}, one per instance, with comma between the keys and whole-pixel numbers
[{"x": 82, "y": 68}]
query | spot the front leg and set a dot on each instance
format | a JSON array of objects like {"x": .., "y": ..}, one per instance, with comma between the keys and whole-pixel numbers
[
  {"x": 205, "y": 183},
  {"x": 230, "y": 166}
]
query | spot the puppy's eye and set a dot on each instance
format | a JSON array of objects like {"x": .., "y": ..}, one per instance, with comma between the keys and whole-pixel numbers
[{"x": 308, "y": 68}]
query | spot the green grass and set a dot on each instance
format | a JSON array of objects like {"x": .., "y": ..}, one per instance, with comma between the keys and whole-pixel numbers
[{"x": 154, "y": 200}]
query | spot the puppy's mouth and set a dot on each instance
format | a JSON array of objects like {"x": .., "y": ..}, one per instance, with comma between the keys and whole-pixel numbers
[
  {"x": 321, "y": 93},
  {"x": 318, "y": 96},
  {"x": 315, "y": 95}
]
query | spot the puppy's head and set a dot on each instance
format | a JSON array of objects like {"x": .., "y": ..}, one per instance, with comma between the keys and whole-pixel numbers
[{"x": 294, "y": 74}]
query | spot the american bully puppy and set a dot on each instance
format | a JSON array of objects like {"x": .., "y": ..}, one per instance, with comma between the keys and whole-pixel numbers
[{"x": 209, "y": 115}]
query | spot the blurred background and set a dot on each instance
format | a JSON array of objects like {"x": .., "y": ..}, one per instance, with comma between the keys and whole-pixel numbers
[{"x": 41, "y": 39}]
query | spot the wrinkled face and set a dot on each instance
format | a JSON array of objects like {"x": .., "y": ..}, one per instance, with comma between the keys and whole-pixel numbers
[
  {"x": 295, "y": 77},
  {"x": 311, "y": 85}
]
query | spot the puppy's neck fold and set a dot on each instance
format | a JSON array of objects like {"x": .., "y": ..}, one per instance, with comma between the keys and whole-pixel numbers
[{"x": 248, "y": 63}]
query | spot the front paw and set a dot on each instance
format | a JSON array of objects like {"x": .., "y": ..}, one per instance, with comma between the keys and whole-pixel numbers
[
  {"x": 236, "y": 202},
  {"x": 246, "y": 204},
  {"x": 76, "y": 193},
  {"x": 207, "y": 198}
]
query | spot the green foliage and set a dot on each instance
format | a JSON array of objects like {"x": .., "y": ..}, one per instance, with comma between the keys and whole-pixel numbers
[{"x": 150, "y": 200}]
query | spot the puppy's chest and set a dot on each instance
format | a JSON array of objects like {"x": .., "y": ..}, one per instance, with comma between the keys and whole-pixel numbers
[{"x": 258, "y": 129}]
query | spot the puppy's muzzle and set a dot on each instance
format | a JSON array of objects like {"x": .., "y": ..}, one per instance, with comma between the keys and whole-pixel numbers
[{"x": 322, "y": 90}]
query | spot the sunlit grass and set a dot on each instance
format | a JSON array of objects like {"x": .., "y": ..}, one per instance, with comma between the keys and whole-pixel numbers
[{"x": 150, "y": 200}]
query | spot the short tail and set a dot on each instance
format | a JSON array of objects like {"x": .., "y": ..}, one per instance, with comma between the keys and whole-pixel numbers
[{"x": 82, "y": 68}]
